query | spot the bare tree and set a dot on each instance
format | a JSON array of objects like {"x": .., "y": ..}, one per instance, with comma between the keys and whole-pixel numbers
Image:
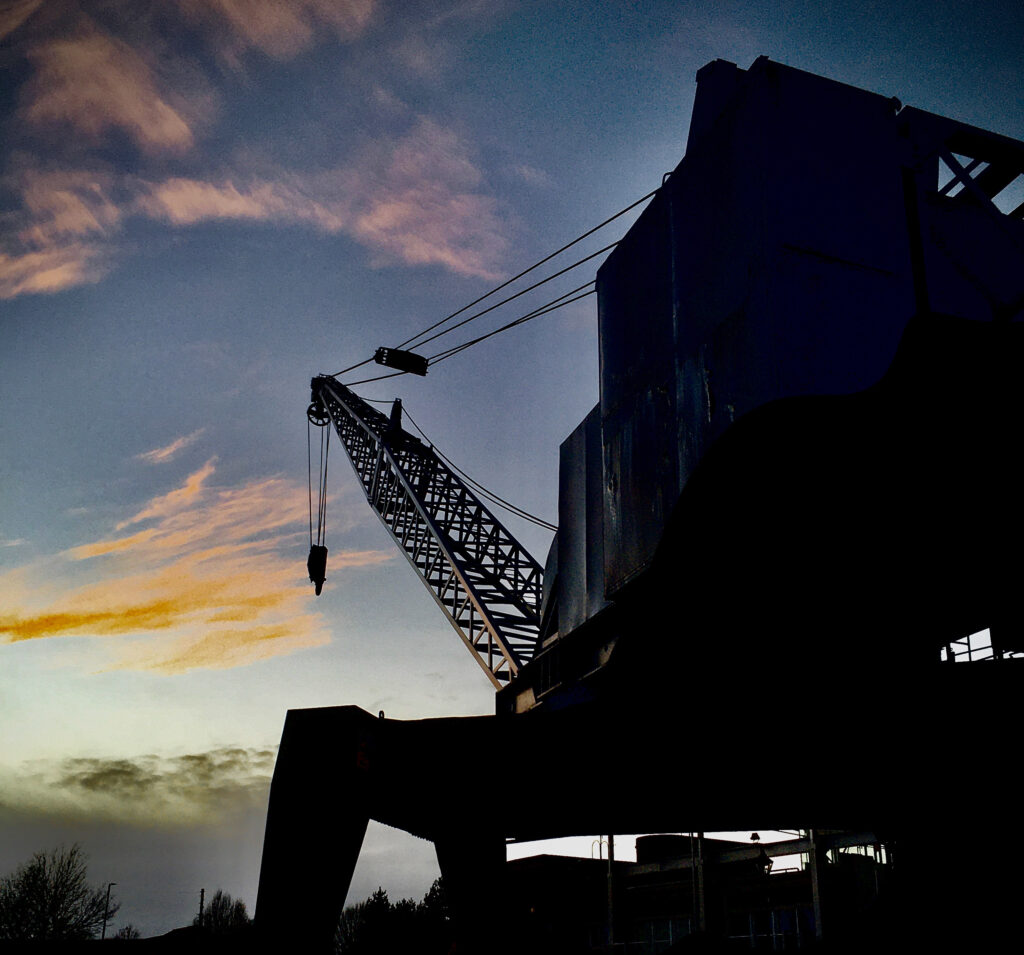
[
  {"x": 49, "y": 898},
  {"x": 128, "y": 931},
  {"x": 224, "y": 915}
]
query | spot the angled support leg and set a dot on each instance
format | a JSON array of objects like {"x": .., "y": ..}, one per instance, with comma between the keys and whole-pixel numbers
[{"x": 315, "y": 826}]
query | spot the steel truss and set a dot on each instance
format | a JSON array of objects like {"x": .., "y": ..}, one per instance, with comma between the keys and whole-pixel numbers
[{"x": 486, "y": 583}]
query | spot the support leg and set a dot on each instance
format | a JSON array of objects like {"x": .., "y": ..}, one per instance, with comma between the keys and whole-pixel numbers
[
  {"x": 473, "y": 867},
  {"x": 315, "y": 826}
]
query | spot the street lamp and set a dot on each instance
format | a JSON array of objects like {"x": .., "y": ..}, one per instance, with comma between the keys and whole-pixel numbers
[{"x": 106, "y": 908}]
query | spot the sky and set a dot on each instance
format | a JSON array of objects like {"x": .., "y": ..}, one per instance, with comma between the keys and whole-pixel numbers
[{"x": 203, "y": 203}]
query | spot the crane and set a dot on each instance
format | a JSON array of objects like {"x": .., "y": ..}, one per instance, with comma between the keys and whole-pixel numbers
[
  {"x": 800, "y": 484},
  {"x": 483, "y": 579}
]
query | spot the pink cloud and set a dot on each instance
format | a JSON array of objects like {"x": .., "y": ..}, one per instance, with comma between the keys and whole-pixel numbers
[
  {"x": 280, "y": 28},
  {"x": 185, "y": 202},
  {"x": 65, "y": 203},
  {"x": 94, "y": 83},
  {"x": 50, "y": 270},
  {"x": 413, "y": 199},
  {"x": 14, "y": 14}
]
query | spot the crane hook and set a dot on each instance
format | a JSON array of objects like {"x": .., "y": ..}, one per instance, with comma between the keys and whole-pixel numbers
[{"x": 316, "y": 564}]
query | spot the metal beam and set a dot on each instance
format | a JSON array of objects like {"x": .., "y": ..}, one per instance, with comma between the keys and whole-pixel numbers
[{"x": 484, "y": 581}]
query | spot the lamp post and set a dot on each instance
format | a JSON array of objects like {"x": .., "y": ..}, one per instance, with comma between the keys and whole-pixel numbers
[{"x": 106, "y": 908}]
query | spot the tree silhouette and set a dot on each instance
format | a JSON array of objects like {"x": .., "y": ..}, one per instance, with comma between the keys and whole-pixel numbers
[
  {"x": 379, "y": 927},
  {"x": 49, "y": 898},
  {"x": 224, "y": 915},
  {"x": 128, "y": 931}
]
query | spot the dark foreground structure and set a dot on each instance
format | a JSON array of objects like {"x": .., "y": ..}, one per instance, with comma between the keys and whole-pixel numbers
[{"x": 799, "y": 490}]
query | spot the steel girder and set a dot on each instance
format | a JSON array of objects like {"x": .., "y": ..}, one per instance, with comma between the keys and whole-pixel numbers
[{"x": 486, "y": 583}]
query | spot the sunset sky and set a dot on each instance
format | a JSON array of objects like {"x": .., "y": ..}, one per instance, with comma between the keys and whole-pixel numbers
[{"x": 203, "y": 203}]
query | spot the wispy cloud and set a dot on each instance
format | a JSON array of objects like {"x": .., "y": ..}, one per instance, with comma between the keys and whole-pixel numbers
[
  {"x": 14, "y": 13},
  {"x": 51, "y": 270},
  {"x": 171, "y": 504},
  {"x": 168, "y": 451},
  {"x": 414, "y": 199},
  {"x": 65, "y": 203},
  {"x": 209, "y": 581},
  {"x": 147, "y": 789},
  {"x": 280, "y": 28},
  {"x": 61, "y": 237},
  {"x": 414, "y": 194},
  {"x": 94, "y": 82},
  {"x": 185, "y": 202}
]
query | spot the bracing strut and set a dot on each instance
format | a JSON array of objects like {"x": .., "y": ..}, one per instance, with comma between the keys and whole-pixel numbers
[{"x": 487, "y": 584}]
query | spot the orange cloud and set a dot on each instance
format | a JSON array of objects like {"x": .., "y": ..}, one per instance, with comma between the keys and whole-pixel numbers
[
  {"x": 168, "y": 451},
  {"x": 213, "y": 582},
  {"x": 173, "y": 501},
  {"x": 95, "y": 82}
]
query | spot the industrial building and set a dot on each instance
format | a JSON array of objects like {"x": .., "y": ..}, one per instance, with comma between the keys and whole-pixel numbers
[
  {"x": 800, "y": 477},
  {"x": 739, "y": 893}
]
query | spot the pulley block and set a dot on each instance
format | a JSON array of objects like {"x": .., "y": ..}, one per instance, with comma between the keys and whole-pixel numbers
[
  {"x": 317, "y": 414},
  {"x": 402, "y": 360}
]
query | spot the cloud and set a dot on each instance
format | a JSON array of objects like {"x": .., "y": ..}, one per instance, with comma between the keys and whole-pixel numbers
[
  {"x": 531, "y": 175},
  {"x": 423, "y": 206},
  {"x": 60, "y": 239},
  {"x": 211, "y": 581},
  {"x": 51, "y": 270},
  {"x": 173, "y": 502},
  {"x": 168, "y": 451},
  {"x": 185, "y": 202},
  {"x": 414, "y": 195},
  {"x": 413, "y": 199},
  {"x": 147, "y": 789},
  {"x": 95, "y": 82},
  {"x": 279, "y": 28},
  {"x": 14, "y": 14},
  {"x": 65, "y": 203}
]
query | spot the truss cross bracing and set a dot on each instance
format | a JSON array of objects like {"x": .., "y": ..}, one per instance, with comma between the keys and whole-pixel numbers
[{"x": 488, "y": 586}]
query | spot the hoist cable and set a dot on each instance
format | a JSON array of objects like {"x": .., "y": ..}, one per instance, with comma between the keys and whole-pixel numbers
[
  {"x": 536, "y": 313},
  {"x": 323, "y": 489},
  {"x": 490, "y": 495},
  {"x": 363, "y": 381},
  {"x": 536, "y": 265},
  {"x": 550, "y": 306},
  {"x": 498, "y": 288},
  {"x": 358, "y": 364},
  {"x": 309, "y": 474},
  {"x": 529, "y": 288},
  {"x": 321, "y": 514}
]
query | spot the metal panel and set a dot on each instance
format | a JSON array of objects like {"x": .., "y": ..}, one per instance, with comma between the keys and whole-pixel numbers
[
  {"x": 581, "y": 524},
  {"x": 773, "y": 263}
]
